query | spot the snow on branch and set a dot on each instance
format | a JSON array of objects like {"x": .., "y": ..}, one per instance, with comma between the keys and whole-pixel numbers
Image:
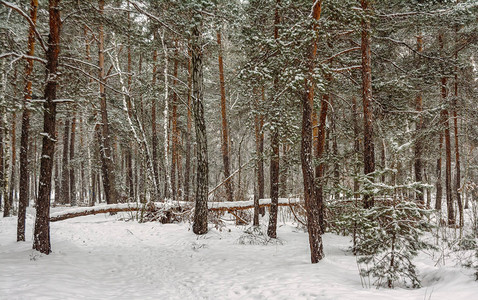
[{"x": 25, "y": 15}]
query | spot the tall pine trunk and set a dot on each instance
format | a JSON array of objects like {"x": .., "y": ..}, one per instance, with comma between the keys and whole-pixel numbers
[
  {"x": 65, "y": 174},
  {"x": 71, "y": 167},
  {"x": 24, "y": 139},
  {"x": 446, "y": 123},
  {"x": 41, "y": 234},
  {"x": 8, "y": 208},
  {"x": 106, "y": 150},
  {"x": 457, "y": 188},
  {"x": 154, "y": 130},
  {"x": 311, "y": 204},
  {"x": 225, "y": 131},
  {"x": 275, "y": 158},
  {"x": 202, "y": 181},
  {"x": 175, "y": 130},
  {"x": 187, "y": 167},
  {"x": 368, "y": 149},
  {"x": 418, "y": 166}
]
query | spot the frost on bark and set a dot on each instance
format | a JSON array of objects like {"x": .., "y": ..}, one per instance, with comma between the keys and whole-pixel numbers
[
  {"x": 41, "y": 240},
  {"x": 200, "y": 212}
]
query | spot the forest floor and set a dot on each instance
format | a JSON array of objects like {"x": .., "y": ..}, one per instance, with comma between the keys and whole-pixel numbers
[{"x": 104, "y": 257}]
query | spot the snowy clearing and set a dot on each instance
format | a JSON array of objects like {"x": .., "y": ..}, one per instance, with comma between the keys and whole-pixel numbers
[{"x": 103, "y": 257}]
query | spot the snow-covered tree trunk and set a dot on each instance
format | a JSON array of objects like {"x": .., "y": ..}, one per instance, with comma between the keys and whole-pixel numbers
[
  {"x": 24, "y": 139},
  {"x": 202, "y": 180},
  {"x": 41, "y": 234},
  {"x": 275, "y": 141},
  {"x": 312, "y": 207}
]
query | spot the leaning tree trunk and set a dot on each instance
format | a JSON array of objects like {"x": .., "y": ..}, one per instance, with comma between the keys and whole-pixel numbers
[
  {"x": 202, "y": 182},
  {"x": 274, "y": 167},
  {"x": 41, "y": 234},
  {"x": 24, "y": 139},
  {"x": 368, "y": 149}
]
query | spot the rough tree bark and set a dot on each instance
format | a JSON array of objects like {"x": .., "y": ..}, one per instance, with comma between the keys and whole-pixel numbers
[
  {"x": 320, "y": 150},
  {"x": 275, "y": 158},
  {"x": 41, "y": 234},
  {"x": 312, "y": 207},
  {"x": 202, "y": 181},
  {"x": 368, "y": 149}
]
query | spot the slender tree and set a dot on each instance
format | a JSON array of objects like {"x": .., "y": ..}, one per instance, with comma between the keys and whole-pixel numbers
[
  {"x": 418, "y": 138},
  {"x": 225, "y": 130},
  {"x": 107, "y": 166},
  {"x": 24, "y": 139}
]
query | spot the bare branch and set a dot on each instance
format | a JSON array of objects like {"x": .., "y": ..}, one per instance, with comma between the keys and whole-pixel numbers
[
  {"x": 25, "y": 15},
  {"x": 22, "y": 56}
]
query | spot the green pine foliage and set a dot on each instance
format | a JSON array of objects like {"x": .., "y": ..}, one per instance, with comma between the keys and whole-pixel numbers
[{"x": 388, "y": 237}]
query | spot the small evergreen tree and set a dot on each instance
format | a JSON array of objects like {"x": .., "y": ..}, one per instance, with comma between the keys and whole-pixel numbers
[{"x": 388, "y": 238}]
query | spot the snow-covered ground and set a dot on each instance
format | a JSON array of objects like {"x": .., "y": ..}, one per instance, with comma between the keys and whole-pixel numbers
[{"x": 103, "y": 257}]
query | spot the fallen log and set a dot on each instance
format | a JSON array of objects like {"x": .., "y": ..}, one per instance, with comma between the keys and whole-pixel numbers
[
  {"x": 92, "y": 212},
  {"x": 125, "y": 207}
]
